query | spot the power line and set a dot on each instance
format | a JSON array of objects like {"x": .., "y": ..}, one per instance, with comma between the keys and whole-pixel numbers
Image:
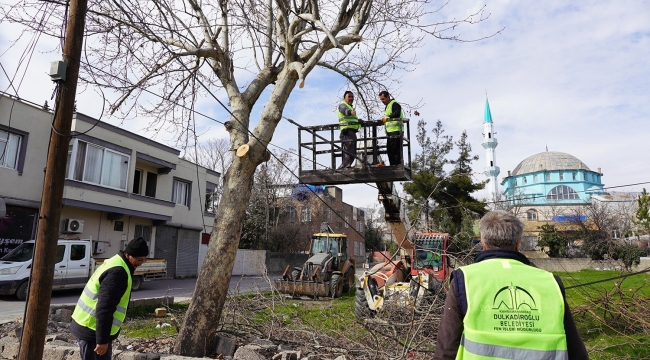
[{"x": 608, "y": 279}]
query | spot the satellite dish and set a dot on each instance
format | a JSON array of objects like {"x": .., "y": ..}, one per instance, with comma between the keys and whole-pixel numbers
[{"x": 3, "y": 208}]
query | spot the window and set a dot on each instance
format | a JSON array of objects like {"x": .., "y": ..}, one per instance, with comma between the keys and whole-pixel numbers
[
  {"x": 118, "y": 226},
  {"x": 525, "y": 180},
  {"x": 97, "y": 165},
  {"x": 291, "y": 213},
  {"x": 67, "y": 164},
  {"x": 356, "y": 248},
  {"x": 9, "y": 148},
  {"x": 561, "y": 176},
  {"x": 181, "y": 192},
  {"x": 347, "y": 220},
  {"x": 143, "y": 231},
  {"x": 152, "y": 180},
  {"x": 137, "y": 181},
  {"x": 329, "y": 214},
  {"x": 60, "y": 251},
  {"x": 534, "y": 178},
  {"x": 77, "y": 252},
  {"x": 211, "y": 200},
  {"x": 562, "y": 192},
  {"x": 305, "y": 214},
  {"x": 548, "y": 177},
  {"x": 575, "y": 176},
  {"x": 515, "y": 182},
  {"x": 531, "y": 214}
]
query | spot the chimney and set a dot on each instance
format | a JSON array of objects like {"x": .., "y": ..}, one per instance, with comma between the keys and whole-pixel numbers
[
  {"x": 508, "y": 172},
  {"x": 599, "y": 171}
]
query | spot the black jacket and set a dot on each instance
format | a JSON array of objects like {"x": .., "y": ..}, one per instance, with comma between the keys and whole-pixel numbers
[
  {"x": 451, "y": 324},
  {"x": 113, "y": 284}
]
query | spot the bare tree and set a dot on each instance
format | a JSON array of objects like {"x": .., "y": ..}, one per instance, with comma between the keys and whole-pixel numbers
[{"x": 161, "y": 55}]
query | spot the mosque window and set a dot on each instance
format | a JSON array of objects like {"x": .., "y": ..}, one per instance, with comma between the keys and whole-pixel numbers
[
  {"x": 561, "y": 176},
  {"x": 534, "y": 178},
  {"x": 515, "y": 182},
  {"x": 525, "y": 180},
  {"x": 548, "y": 177},
  {"x": 531, "y": 214},
  {"x": 575, "y": 176},
  {"x": 562, "y": 192}
]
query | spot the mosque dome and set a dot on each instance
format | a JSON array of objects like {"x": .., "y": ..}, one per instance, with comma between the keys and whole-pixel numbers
[{"x": 549, "y": 160}]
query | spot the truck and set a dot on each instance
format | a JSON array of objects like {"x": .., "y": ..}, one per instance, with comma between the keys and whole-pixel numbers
[
  {"x": 327, "y": 273},
  {"x": 74, "y": 266}
]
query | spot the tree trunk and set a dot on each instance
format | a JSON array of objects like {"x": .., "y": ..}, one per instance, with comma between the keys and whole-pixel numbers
[{"x": 197, "y": 336}]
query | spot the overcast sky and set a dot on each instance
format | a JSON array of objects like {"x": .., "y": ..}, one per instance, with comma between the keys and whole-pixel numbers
[{"x": 573, "y": 77}]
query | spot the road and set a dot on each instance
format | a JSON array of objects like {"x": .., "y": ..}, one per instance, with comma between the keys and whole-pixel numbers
[
  {"x": 12, "y": 309},
  {"x": 181, "y": 289}
]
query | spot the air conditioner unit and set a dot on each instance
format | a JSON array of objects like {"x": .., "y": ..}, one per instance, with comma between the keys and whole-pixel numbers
[{"x": 73, "y": 226}]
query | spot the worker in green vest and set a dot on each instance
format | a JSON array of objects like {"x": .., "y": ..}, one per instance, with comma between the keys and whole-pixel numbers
[
  {"x": 349, "y": 124},
  {"x": 503, "y": 307},
  {"x": 393, "y": 115},
  {"x": 101, "y": 308}
]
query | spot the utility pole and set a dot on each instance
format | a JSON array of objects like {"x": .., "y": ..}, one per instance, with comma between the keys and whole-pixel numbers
[{"x": 40, "y": 288}]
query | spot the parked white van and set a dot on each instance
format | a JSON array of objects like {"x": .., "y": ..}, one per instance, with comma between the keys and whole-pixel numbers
[{"x": 74, "y": 266}]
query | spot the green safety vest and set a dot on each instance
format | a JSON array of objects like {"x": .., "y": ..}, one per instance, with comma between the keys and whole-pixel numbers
[
  {"x": 514, "y": 311},
  {"x": 393, "y": 125},
  {"x": 348, "y": 122},
  {"x": 84, "y": 312}
]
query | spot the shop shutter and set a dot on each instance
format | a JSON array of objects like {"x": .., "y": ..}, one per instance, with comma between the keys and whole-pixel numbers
[
  {"x": 188, "y": 252},
  {"x": 165, "y": 248}
]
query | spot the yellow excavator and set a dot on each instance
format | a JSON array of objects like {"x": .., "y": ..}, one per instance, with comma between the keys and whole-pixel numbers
[{"x": 328, "y": 272}]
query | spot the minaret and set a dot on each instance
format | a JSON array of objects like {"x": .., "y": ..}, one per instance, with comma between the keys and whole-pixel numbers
[{"x": 489, "y": 144}]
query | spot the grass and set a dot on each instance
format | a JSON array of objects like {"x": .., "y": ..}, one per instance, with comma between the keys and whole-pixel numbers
[
  {"x": 598, "y": 309},
  {"x": 141, "y": 322},
  {"x": 328, "y": 316}
]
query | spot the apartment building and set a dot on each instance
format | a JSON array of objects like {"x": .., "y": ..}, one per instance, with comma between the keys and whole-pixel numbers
[
  {"x": 311, "y": 207},
  {"x": 119, "y": 185}
]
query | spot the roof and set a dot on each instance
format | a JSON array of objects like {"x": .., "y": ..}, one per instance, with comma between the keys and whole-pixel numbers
[{"x": 549, "y": 160}]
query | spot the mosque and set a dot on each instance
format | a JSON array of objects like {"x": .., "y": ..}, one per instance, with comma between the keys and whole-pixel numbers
[{"x": 548, "y": 186}]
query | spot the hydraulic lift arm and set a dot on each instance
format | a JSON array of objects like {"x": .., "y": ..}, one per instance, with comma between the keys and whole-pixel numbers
[{"x": 393, "y": 215}]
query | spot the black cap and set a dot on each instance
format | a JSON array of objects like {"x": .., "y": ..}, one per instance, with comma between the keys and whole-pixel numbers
[{"x": 137, "y": 247}]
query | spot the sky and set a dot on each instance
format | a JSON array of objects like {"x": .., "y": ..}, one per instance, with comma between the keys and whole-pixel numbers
[{"x": 572, "y": 77}]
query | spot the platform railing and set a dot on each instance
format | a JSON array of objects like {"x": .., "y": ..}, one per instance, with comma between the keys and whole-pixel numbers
[{"x": 321, "y": 144}]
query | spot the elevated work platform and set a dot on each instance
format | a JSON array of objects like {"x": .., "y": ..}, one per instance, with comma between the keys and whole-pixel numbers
[
  {"x": 356, "y": 175},
  {"x": 320, "y": 153}
]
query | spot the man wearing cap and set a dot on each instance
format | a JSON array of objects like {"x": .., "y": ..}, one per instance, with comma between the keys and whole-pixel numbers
[
  {"x": 502, "y": 307},
  {"x": 101, "y": 308}
]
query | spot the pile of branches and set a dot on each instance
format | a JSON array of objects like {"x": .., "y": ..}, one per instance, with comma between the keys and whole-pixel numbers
[
  {"x": 621, "y": 311},
  {"x": 398, "y": 331},
  {"x": 625, "y": 311}
]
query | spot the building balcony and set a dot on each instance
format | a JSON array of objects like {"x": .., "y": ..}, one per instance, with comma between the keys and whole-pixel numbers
[{"x": 98, "y": 198}]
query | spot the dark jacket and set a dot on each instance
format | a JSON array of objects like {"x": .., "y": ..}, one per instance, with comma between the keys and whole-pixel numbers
[
  {"x": 451, "y": 324},
  {"x": 112, "y": 285}
]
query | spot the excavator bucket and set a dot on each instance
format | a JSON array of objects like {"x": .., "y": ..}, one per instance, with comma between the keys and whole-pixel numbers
[{"x": 303, "y": 288}]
